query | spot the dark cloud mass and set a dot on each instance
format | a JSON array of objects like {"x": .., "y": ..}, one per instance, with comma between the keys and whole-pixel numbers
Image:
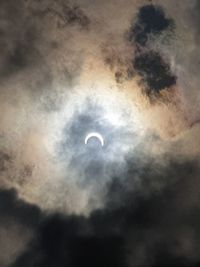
[
  {"x": 13, "y": 208},
  {"x": 131, "y": 230},
  {"x": 147, "y": 61},
  {"x": 149, "y": 64},
  {"x": 151, "y": 20},
  {"x": 155, "y": 72}
]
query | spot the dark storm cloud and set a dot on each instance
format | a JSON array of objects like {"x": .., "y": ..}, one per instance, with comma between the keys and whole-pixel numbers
[
  {"x": 151, "y": 20},
  {"x": 12, "y": 208},
  {"x": 18, "y": 222},
  {"x": 133, "y": 229},
  {"x": 155, "y": 72},
  {"x": 65, "y": 242}
]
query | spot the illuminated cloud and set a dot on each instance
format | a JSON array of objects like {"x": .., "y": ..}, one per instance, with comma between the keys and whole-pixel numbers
[{"x": 130, "y": 71}]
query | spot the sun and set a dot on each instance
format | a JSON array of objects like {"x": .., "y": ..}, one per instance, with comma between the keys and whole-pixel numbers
[{"x": 96, "y": 135}]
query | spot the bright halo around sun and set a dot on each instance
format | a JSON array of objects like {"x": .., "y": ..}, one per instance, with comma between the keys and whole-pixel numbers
[{"x": 94, "y": 135}]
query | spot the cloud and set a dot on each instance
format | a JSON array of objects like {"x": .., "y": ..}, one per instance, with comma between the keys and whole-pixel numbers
[
  {"x": 5, "y": 159},
  {"x": 135, "y": 228},
  {"x": 153, "y": 69},
  {"x": 109, "y": 159},
  {"x": 33, "y": 49},
  {"x": 155, "y": 72},
  {"x": 69, "y": 16},
  {"x": 19, "y": 220},
  {"x": 18, "y": 39},
  {"x": 151, "y": 20},
  {"x": 23, "y": 213},
  {"x": 136, "y": 201},
  {"x": 145, "y": 59}
]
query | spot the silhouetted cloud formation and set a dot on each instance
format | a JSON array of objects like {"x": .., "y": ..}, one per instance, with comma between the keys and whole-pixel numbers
[
  {"x": 13, "y": 208},
  {"x": 151, "y": 20},
  {"x": 146, "y": 59},
  {"x": 133, "y": 229},
  {"x": 155, "y": 72},
  {"x": 149, "y": 64}
]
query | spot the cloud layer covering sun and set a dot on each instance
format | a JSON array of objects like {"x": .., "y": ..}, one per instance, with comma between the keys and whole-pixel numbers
[{"x": 127, "y": 71}]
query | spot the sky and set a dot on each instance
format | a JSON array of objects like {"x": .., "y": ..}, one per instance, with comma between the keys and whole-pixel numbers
[{"x": 128, "y": 70}]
